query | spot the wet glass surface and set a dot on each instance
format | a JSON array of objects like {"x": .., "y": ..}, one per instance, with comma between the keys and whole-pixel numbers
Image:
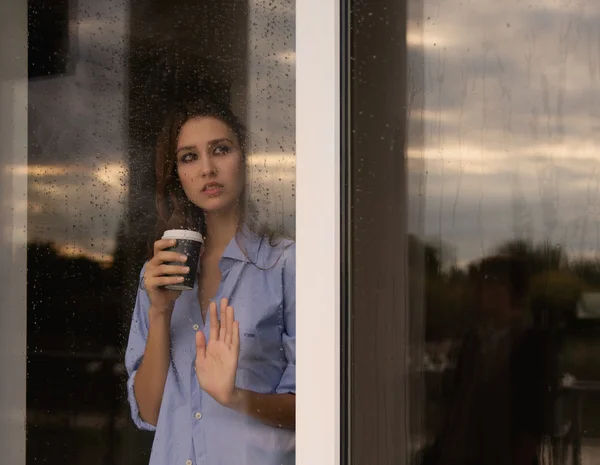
[
  {"x": 503, "y": 167},
  {"x": 102, "y": 76}
]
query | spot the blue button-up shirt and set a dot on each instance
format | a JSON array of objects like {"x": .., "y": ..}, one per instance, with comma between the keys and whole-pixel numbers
[{"x": 259, "y": 281}]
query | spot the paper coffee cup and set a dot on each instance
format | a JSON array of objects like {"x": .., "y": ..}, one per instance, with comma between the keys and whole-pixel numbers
[{"x": 189, "y": 243}]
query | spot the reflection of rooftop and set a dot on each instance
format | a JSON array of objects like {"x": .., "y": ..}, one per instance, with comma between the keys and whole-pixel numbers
[
  {"x": 272, "y": 160},
  {"x": 73, "y": 251}
]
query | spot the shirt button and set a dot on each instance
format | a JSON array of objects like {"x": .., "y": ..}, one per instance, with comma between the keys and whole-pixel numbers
[
  {"x": 196, "y": 327},
  {"x": 188, "y": 462},
  {"x": 198, "y": 415}
]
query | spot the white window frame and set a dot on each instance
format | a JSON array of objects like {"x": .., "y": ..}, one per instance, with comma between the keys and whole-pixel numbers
[{"x": 318, "y": 232}]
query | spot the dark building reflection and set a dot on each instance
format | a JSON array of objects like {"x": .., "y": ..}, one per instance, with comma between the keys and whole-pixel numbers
[{"x": 510, "y": 356}]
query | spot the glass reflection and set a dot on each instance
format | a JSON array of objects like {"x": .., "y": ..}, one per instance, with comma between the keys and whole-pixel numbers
[
  {"x": 97, "y": 105},
  {"x": 502, "y": 157}
]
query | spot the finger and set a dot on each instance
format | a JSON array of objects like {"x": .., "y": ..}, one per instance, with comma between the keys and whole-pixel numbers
[
  {"x": 162, "y": 244},
  {"x": 171, "y": 269},
  {"x": 152, "y": 283},
  {"x": 224, "y": 305},
  {"x": 214, "y": 322},
  {"x": 235, "y": 340},
  {"x": 229, "y": 324},
  {"x": 164, "y": 256},
  {"x": 223, "y": 319},
  {"x": 200, "y": 346}
]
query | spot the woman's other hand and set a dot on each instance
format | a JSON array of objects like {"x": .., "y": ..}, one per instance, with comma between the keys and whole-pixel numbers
[{"x": 217, "y": 360}]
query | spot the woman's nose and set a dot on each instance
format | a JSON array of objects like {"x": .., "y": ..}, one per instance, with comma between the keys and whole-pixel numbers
[{"x": 207, "y": 166}]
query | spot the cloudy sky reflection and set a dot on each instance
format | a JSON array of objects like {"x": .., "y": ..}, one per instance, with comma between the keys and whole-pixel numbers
[
  {"x": 77, "y": 176},
  {"x": 511, "y": 118}
]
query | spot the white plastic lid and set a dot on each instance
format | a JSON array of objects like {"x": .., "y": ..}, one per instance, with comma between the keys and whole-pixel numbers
[{"x": 186, "y": 234}]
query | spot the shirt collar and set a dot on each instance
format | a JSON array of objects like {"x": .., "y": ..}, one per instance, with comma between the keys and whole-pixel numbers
[{"x": 244, "y": 246}]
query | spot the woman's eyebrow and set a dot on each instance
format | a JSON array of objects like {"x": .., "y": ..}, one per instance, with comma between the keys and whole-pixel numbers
[
  {"x": 186, "y": 147},
  {"x": 214, "y": 142}
]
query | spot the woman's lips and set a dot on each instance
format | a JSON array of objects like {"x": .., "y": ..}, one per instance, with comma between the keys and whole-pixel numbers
[{"x": 212, "y": 190}]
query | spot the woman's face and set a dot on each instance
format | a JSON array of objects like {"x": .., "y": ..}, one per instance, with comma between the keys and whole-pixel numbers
[{"x": 210, "y": 164}]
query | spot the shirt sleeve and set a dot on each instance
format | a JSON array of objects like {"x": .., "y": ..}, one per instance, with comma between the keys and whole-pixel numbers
[
  {"x": 138, "y": 334},
  {"x": 287, "y": 384}
]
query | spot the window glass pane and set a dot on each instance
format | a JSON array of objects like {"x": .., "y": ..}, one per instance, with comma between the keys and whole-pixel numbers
[
  {"x": 146, "y": 117},
  {"x": 503, "y": 229},
  {"x": 473, "y": 234}
]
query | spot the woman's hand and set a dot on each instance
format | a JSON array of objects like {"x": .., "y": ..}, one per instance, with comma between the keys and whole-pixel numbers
[
  {"x": 158, "y": 275},
  {"x": 216, "y": 362}
]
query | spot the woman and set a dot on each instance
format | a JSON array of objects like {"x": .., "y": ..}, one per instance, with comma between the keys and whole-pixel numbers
[{"x": 217, "y": 387}]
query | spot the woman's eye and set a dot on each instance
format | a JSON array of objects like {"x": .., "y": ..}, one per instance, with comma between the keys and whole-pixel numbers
[
  {"x": 221, "y": 150},
  {"x": 187, "y": 157}
]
